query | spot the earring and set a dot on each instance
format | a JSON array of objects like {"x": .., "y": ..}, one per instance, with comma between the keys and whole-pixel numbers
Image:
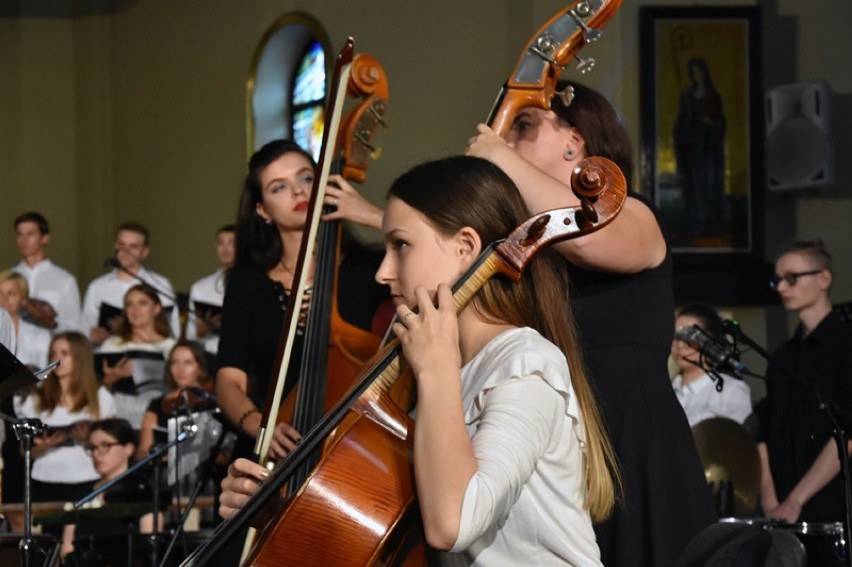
[
  {"x": 268, "y": 221},
  {"x": 568, "y": 154}
]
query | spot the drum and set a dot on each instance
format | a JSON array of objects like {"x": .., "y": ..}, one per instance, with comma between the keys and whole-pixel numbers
[
  {"x": 816, "y": 545},
  {"x": 825, "y": 543}
]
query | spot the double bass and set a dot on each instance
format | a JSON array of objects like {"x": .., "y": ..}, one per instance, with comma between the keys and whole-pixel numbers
[
  {"x": 358, "y": 505},
  {"x": 334, "y": 349}
]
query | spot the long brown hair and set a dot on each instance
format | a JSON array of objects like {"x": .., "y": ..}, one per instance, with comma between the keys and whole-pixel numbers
[
  {"x": 198, "y": 354},
  {"x": 161, "y": 322},
  {"x": 459, "y": 192},
  {"x": 84, "y": 383}
]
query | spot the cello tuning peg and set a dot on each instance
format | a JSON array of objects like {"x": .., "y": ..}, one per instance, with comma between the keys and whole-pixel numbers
[
  {"x": 376, "y": 153},
  {"x": 585, "y": 65}
]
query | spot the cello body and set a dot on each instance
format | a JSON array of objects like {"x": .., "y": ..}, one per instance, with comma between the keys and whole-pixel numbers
[{"x": 337, "y": 518}]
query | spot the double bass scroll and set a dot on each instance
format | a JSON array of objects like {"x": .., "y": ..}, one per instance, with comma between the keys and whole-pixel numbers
[{"x": 547, "y": 53}]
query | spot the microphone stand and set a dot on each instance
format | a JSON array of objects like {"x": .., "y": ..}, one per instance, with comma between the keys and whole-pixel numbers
[
  {"x": 830, "y": 408},
  {"x": 199, "y": 485},
  {"x": 115, "y": 263},
  {"x": 26, "y": 430}
]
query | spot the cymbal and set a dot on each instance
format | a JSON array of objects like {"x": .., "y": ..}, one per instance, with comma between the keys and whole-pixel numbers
[{"x": 729, "y": 453}]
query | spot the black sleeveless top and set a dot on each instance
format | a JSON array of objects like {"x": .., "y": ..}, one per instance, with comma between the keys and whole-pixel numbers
[{"x": 626, "y": 325}]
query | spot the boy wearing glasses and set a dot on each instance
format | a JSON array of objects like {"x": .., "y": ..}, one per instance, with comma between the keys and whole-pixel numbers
[{"x": 799, "y": 457}]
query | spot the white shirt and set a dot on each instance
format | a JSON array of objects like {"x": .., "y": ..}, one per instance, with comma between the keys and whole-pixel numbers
[
  {"x": 56, "y": 286},
  {"x": 132, "y": 406},
  {"x": 211, "y": 290},
  {"x": 524, "y": 505},
  {"x": 33, "y": 343},
  {"x": 65, "y": 464},
  {"x": 7, "y": 331},
  {"x": 110, "y": 289},
  {"x": 701, "y": 401}
]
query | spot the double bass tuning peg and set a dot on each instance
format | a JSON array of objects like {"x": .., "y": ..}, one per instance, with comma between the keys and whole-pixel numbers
[
  {"x": 584, "y": 65},
  {"x": 375, "y": 151},
  {"x": 577, "y": 14}
]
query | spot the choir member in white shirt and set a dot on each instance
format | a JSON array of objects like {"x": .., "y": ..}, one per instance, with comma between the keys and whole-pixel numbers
[
  {"x": 32, "y": 341},
  {"x": 202, "y": 323},
  {"x": 48, "y": 282},
  {"x": 130, "y": 252},
  {"x": 693, "y": 386}
]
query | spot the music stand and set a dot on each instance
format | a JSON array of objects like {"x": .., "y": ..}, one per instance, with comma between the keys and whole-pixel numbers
[{"x": 15, "y": 376}]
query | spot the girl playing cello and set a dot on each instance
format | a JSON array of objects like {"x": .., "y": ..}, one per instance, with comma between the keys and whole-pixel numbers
[{"x": 510, "y": 458}]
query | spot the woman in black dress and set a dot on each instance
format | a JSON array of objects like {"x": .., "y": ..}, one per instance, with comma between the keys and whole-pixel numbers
[
  {"x": 621, "y": 293},
  {"x": 270, "y": 224}
]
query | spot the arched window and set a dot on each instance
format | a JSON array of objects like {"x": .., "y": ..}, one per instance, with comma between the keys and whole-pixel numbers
[
  {"x": 309, "y": 87},
  {"x": 286, "y": 89}
]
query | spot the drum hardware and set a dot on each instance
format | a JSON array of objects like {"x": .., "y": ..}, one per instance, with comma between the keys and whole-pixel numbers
[
  {"x": 819, "y": 544},
  {"x": 833, "y": 412}
]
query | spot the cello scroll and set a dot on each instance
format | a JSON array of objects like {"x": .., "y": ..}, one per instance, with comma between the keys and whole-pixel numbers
[{"x": 601, "y": 187}]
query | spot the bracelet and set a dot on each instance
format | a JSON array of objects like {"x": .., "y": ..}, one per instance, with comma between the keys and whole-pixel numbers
[{"x": 247, "y": 413}]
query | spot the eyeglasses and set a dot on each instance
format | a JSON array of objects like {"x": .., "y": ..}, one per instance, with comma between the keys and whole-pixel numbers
[
  {"x": 101, "y": 448},
  {"x": 790, "y": 278}
]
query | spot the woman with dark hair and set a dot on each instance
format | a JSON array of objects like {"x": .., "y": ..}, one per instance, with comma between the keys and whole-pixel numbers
[
  {"x": 699, "y": 144},
  {"x": 144, "y": 337},
  {"x": 511, "y": 460},
  {"x": 621, "y": 293},
  {"x": 270, "y": 224},
  {"x": 186, "y": 368},
  {"x": 695, "y": 389},
  {"x": 67, "y": 402}
]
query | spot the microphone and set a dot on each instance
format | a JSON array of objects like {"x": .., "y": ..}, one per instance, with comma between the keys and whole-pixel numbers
[
  {"x": 720, "y": 355},
  {"x": 202, "y": 393},
  {"x": 112, "y": 262}
]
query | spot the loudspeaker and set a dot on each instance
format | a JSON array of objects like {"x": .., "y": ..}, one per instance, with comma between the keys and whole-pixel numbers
[{"x": 799, "y": 151}]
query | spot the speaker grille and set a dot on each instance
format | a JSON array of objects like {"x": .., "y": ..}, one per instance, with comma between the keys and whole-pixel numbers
[{"x": 799, "y": 152}]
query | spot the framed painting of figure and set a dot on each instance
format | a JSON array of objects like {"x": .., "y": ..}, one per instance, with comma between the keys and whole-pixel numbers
[{"x": 701, "y": 130}]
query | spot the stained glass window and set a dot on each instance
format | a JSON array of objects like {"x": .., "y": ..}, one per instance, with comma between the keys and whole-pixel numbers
[{"x": 308, "y": 99}]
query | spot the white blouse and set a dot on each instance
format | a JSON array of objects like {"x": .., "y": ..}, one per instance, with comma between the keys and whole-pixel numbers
[{"x": 524, "y": 505}]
